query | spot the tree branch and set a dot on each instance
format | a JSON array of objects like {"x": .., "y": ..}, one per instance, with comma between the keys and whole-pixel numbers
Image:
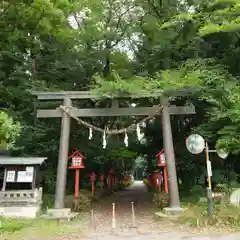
[
  {"x": 5, "y": 10},
  {"x": 154, "y": 8}
]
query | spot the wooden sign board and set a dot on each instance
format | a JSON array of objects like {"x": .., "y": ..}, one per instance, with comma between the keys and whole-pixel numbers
[
  {"x": 10, "y": 176},
  {"x": 24, "y": 177}
]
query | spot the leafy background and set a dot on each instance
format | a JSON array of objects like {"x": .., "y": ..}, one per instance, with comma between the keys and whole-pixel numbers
[{"x": 115, "y": 47}]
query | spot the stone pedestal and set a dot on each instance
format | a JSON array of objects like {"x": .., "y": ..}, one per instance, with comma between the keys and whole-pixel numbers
[
  {"x": 60, "y": 214},
  {"x": 235, "y": 197},
  {"x": 22, "y": 203},
  {"x": 174, "y": 211},
  {"x": 23, "y": 211},
  {"x": 158, "y": 216}
]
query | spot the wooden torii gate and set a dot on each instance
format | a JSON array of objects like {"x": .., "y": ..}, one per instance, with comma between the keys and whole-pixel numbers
[{"x": 68, "y": 96}]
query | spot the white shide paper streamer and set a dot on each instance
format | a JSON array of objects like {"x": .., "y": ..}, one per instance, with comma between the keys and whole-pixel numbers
[
  {"x": 138, "y": 133},
  {"x": 126, "y": 139},
  {"x": 90, "y": 134},
  {"x": 104, "y": 140}
]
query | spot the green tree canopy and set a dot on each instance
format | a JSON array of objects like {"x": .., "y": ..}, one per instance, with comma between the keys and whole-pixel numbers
[{"x": 9, "y": 130}]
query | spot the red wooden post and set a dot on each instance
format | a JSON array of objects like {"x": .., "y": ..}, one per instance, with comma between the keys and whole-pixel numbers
[
  {"x": 109, "y": 181},
  {"x": 77, "y": 177},
  {"x": 77, "y": 163},
  {"x": 165, "y": 180},
  {"x": 156, "y": 180},
  {"x": 92, "y": 187},
  {"x": 93, "y": 178},
  {"x": 159, "y": 185},
  {"x": 112, "y": 180},
  {"x": 111, "y": 172},
  {"x": 151, "y": 179},
  {"x": 102, "y": 177}
]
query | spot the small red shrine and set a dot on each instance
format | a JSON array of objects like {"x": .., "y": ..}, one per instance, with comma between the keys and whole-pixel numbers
[
  {"x": 161, "y": 162},
  {"x": 77, "y": 163}
]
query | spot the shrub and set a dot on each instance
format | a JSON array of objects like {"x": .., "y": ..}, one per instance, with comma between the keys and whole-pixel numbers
[
  {"x": 222, "y": 188},
  {"x": 128, "y": 183},
  {"x": 160, "y": 199},
  {"x": 47, "y": 201},
  {"x": 121, "y": 186},
  {"x": 82, "y": 203},
  {"x": 145, "y": 181}
]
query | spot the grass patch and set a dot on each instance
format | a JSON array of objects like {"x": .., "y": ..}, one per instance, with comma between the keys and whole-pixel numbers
[
  {"x": 19, "y": 229},
  {"x": 11, "y": 225},
  {"x": 225, "y": 216},
  {"x": 22, "y": 229}
]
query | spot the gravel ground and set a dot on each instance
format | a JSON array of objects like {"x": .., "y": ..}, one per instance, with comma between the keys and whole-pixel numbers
[{"x": 146, "y": 227}]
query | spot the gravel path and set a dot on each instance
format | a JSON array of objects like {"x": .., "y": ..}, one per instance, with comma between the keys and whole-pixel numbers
[{"x": 146, "y": 227}]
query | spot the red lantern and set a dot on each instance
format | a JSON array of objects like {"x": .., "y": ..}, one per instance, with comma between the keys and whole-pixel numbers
[
  {"x": 77, "y": 160},
  {"x": 77, "y": 163},
  {"x": 161, "y": 162}
]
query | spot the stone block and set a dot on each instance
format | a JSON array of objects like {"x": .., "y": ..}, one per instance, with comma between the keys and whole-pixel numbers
[
  {"x": 19, "y": 211},
  {"x": 62, "y": 214},
  {"x": 161, "y": 216},
  {"x": 235, "y": 197},
  {"x": 173, "y": 211},
  {"x": 59, "y": 213}
]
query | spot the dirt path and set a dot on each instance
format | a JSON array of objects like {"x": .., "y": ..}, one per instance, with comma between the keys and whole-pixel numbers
[
  {"x": 146, "y": 227},
  {"x": 143, "y": 206}
]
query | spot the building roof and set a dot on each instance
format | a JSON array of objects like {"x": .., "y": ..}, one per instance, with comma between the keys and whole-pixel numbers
[{"x": 6, "y": 160}]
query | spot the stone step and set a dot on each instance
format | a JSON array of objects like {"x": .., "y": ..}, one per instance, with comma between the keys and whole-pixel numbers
[
  {"x": 161, "y": 216},
  {"x": 70, "y": 217},
  {"x": 58, "y": 214}
]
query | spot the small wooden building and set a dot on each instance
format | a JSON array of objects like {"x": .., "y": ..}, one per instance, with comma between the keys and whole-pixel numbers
[{"x": 21, "y": 193}]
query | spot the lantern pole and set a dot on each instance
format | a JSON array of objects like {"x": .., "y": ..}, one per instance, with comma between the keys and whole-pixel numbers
[
  {"x": 77, "y": 177},
  {"x": 209, "y": 188},
  {"x": 165, "y": 180},
  {"x": 92, "y": 186}
]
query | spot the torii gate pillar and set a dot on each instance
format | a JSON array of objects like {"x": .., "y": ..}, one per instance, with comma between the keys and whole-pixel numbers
[
  {"x": 63, "y": 157},
  {"x": 174, "y": 201}
]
